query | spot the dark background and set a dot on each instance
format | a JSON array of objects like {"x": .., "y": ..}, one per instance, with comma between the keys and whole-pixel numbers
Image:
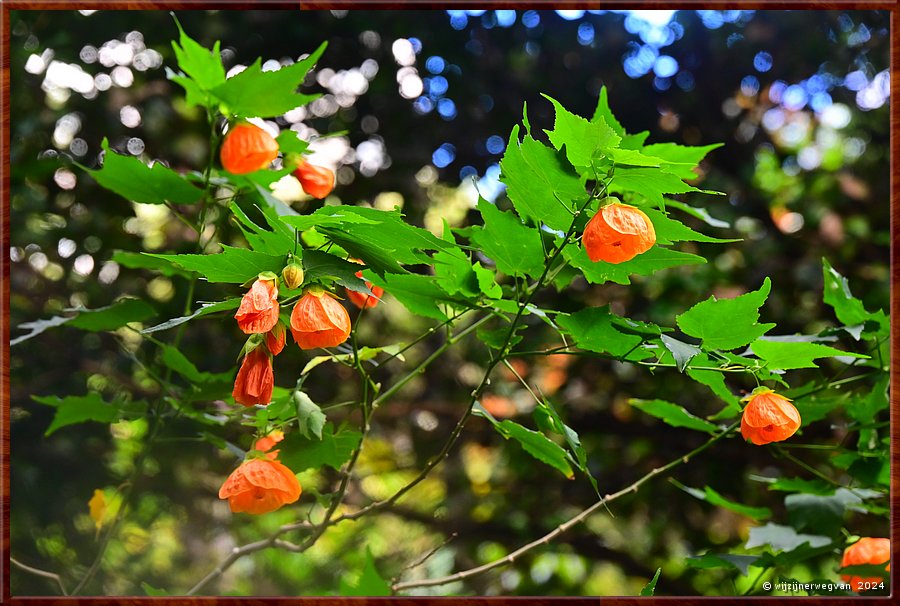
[{"x": 730, "y": 83}]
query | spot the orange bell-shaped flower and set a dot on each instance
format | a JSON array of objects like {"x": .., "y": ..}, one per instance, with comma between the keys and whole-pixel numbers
[
  {"x": 768, "y": 417},
  {"x": 317, "y": 181},
  {"x": 255, "y": 379},
  {"x": 275, "y": 338},
  {"x": 866, "y": 551},
  {"x": 618, "y": 233},
  {"x": 247, "y": 148},
  {"x": 318, "y": 320},
  {"x": 258, "y": 312},
  {"x": 260, "y": 486}
]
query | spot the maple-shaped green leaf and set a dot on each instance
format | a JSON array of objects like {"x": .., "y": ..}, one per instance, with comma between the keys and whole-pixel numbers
[
  {"x": 727, "y": 323},
  {"x": 322, "y": 266},
  {"x": 129, "y": 177},
  {"x": 78, "y": 409},
  {"x": 594, "y": 329},
  {"x": 651, "y": 183},
  {"x": 541, "y": 189},
  {"x": 419, "y": 294},
  {"x": 310, "y": 418},
  {"x": 135, "y": 260},
  {"x": 645, "y": 264},
  {"x": 334, "y": 449},
  {"x": 456, "y": 275},
  {"x": 583, "y": 140},
  {"x": 790, "y": 354},
  {"x": 715, "y": 380},
  {"x": 255, "y": 93},
  {"x": 511, "y": 245},
  {"x": 682, "y": 352},
  {"x": 683, "y": 158},
  {"x": 203, "y": 66},
  {"x": 669, "y": 230},
  {"x": 673, "y": 414},
  {"x": 173, "y": 358},
  {"x": 234, "y": 265},
  {"x": 783, "y": 538},
  {"x": 290, "y": 143},
  {"x": 604, "y": 114},
  {"x": 273, "y": 242}
]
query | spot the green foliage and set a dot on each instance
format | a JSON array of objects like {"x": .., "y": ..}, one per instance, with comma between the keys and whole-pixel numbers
[
  {"x": 598, "y": 330},
  {"x": 310, "y": 418},
  {"x": 673, "y": 414},
  {"x": 233, "y": 265},
  {"x": 72, "y": 410},
  {"x": 789, "y": 354},
  {"x": 514, "y": 247},
  {"x": 333, "y": 449},
  {"x": 129, "y": 177},
  {"x": 114, "y": 316},
  {"x": 650, "y": 587},
  {"x": 714, "y": 498},
  {"x": 727, "y": 323},
  {"x": 369, "y": 583}
]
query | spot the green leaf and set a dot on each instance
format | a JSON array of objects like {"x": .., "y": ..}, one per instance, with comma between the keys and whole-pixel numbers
[
  {"x": 72, "y": 410},
  {"x": 101, "y": 319},
  {"x": 823, "y": 514},
  {"x": 370, "y": 583},
  {"x": 669, "y": 230},
  {"x": 289, "y": 142},
  {"x": 334, "y": 449},
  {"x": 789, "y": 355},
  {"x": 681, "y": 351},
  {"x": 714, "y": 498},
  {"x": 538, "y": 185},
  {"x": 310, "y": 417},
  {"x": 723, "y": 560},
  {"x": 847, "y": 308},
  {"x": 152, "y": 591},
  {"x": 818, "y": 487},
  {"x": 177, "y": 361},
  {"x": 129, "y": 177},
  {"x": 783, "y": 538},
  {"x": 232, "y": 265},
  {"x": 134, "y": 260},
  {"x": 261, "y": 239},
  {"x": 651, "y": 183},
  {"x": 202, "y": 65},
  {"x": 419, "y": 294},
  {"x": 593, "y": 328},
  {"x": 203, "y": 310},
  {"x": 604, "y": 114},
  {"x": 865, "y": 409},
  {"x": 673, "y": 415},
  {"x": 584, "y": 141},
  {"x": 645, "y": 264},
  {"x": 255, "y": 93},
  {"x": 650, "y": 587},
  {"x": 727, "y": 323},
  {"x": 683, "y": 158},
  {"x": 715, "y": 380},
  {"x": 512, "y": 246},
  {"x": 322, "y": 266},
  {"x": 699, "y": 213}
]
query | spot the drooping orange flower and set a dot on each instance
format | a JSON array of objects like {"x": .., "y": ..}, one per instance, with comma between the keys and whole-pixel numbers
[
  {"x": 768, "y": 417},
  {"x": 318, "y": 320},
  {"x": 361, "y": 299},
  {"x": 317, "y": 181},
  {"x": 275, "y": 338},
  {"x": 267, "y": 443},
  {"x": 866, "y": 551},
  {"x": 255, "y": 379},
  {"x": 618, "y": 233},
  {"x": 258, "y": 312},
  {"x": 247, "y": 148},
  {"x": 260, "y": 486}
]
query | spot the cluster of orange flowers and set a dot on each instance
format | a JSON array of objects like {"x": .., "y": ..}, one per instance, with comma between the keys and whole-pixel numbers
[
  {"x": 317, "y": 320},
  {"x": 248, "y": 148}
]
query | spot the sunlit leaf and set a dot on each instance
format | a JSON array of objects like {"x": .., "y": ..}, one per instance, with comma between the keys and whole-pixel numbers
[
  {"x": 583, "y": 140},
  {"x": 790, "y": 355},
  {"x": 78, "y": 409},
  {"x": 512, "y": 246},
  {"x": 727, "y": 323},
  {"x": 593, "y": 329},
  {"x": 650, "y": 587},
  {"x": 333, "y": 450},
  {"x": 369, "y": 583},
  {"x": 673, "y": 414},
  {"x": 645, "y": 264},
  {"x": 233, "y": 265},
  {"x": 203, "y": 310},
  {"x": 714, "y": 498}
]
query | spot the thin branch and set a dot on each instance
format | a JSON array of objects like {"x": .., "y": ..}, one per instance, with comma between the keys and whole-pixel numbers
[
  {"x": 512, "y": 557},
  {"x": 40, "y": 573}
]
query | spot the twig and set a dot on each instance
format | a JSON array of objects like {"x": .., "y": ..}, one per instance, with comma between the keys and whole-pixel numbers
[
  {"x": 425, "y": 557},
  {"x": 40, "y": 573},
  {"x": 459, "y": 576}
]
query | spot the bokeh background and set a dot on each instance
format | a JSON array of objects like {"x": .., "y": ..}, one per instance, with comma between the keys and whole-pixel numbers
[{"x": 426, "y": 101}]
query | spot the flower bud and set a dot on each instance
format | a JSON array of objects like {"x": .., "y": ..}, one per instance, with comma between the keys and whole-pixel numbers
[{"x": 292, "y": 275}]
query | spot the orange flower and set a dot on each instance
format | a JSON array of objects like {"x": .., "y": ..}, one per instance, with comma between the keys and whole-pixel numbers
[
  {"x": 267, "y": 443},
  {"x": 317, "y": 181},
  {"x": 258, "y": 312},
  {"x": 768, "y": 417},
  {"x": 255, "y": 379},
  {"x": 499, "y": 406},
  {"x": 260, "y": 486},
  {"x": 318, "y": 320},
  {"x": 866, "y": 551},
  {"x": 275, "y": 338},
  {"x": 618, "y": 233},
  {"x": 247, "y": 148}
]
